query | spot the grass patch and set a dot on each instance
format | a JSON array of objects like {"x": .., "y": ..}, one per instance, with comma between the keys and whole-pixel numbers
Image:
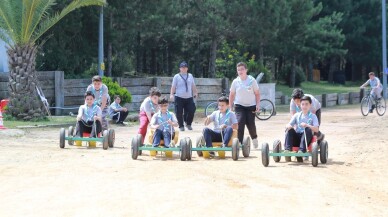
[
  {"x": 50, "y": 121},
  {"x": 321, "y": 88}
]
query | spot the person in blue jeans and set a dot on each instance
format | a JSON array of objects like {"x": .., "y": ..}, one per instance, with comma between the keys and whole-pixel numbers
[
  {"x": 224, "y": 120},
  {"x": 163, "y": 122},
  {"x": 301, "y": 123}
]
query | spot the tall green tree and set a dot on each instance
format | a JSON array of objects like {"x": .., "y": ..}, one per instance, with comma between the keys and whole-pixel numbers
[{"x": 22, "y": 23}]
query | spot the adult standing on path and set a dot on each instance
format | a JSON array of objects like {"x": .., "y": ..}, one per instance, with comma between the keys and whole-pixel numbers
[
  {"x": 245, "y": 95},
  {"x": 183, "y": 91}
]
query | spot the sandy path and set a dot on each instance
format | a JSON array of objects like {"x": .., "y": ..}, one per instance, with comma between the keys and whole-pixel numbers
[{"x": 37, "y": 178}]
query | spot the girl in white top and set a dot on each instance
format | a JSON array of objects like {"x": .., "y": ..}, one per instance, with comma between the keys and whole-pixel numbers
[{"x": 245, "y": 95}]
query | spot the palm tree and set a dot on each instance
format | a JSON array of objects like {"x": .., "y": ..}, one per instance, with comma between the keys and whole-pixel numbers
[{"x": 22, "y": 23}]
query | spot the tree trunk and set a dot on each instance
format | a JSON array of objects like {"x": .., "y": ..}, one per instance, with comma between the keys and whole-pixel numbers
[
  {"x": 212, "y": 59},
  {"x": 24, "y": 103},
  {"x": 310, "y": 69},
  {"x": 109, "y": 57},
  {"x": 292, "y": 74},
  {"x": 138, "y": 53},
  {"x": 261, "y": 54},
  {"x": 153, "y": 64},
  {"x": 333, "y": 67}
]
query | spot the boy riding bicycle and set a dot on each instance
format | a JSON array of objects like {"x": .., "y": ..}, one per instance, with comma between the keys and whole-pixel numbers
[{"x": 376, "y": 88}]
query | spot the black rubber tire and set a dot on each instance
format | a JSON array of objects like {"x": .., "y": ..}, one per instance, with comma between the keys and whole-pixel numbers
[
  {"x": 62, "y": 138},
  {"x": 299, "y": 159},
  {"x": 135, "y": 148},
  {"x": 139, "y": 138},
  {"x": 277, "y": 148},
  {"x": 265, "y": 154},
  {"x": 365, "y": 106},
  {"x": 105, "y": 140},
  {"x": 111, "y": 138},
  {"x": 314, "y": 154},
  {"x": 70, "y": 133},
  {"x": 188, "y": 148},
  {"x": 210, "y": 108},
  {"x": 199, "y": 144},
  {"x": 246, "y": 146},
  {"x": 235, "y": 149},
  {"x": 183, "y": 147},
  {"x": 267, "y": 109},
  {"x": 323, "y": 151},
  {"x": 381, "y": 106}
]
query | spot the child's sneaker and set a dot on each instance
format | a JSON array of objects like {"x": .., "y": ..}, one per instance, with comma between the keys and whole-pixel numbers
[
  {"x": 189, "y": 127},
  {"x": 212, "y": 154},
  {"x": 181, "y": 128},
  {"x": 255, "y": 143}
]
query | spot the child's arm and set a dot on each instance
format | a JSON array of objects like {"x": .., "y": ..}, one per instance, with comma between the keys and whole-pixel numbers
[
  {"x": 173, "y": 122},
  {"x": 80, "y": 113},
  {"x": 98, "y": 115},
  {"x": 291, "y": 123},
  {"x": 153, "y": 123},
  {"x": 235, "y": 126},
  {"x": 315, "y": 129},
  {"x": 207, "y": 120}
]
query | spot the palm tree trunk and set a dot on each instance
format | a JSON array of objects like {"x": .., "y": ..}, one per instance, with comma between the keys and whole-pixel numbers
[{"x": 24, "y": 102}]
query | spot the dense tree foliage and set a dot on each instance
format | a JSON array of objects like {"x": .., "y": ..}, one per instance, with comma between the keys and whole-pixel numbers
[{"x": 148, "y": 38}]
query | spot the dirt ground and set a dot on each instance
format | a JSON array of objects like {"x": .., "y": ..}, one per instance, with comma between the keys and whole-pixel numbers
[{"x": 37, "y": 178}]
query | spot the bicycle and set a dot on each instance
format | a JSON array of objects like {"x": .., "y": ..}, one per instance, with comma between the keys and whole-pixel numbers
[{"x": 368, "y": 103}]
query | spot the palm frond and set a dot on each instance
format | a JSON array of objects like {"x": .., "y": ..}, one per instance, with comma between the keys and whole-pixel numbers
[
  {"x": 33, "y": 13},
  {"x": 49, "y": 22},
  {"x": 9, "y": 17}
]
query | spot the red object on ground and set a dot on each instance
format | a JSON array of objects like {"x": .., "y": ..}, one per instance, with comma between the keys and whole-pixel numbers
[
  {"x": 1, "y": 122},
  {"x": 314, "y": 139},
  {"x": 3, "y": 104}
]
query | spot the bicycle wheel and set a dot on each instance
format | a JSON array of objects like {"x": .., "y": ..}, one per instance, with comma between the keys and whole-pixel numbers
[
  {"x": 210, "y": 108},
  {"x": 380, "y": 106},
  {"x": 365, "y": 102},
  {"x": 266, "y": 110}
]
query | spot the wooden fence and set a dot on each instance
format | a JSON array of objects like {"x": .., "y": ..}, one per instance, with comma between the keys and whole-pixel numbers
[{"x": 69, "y": 93}]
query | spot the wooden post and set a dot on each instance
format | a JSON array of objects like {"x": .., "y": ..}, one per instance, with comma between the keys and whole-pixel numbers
[
  {"x": 324, "y": 100},
  {"x": 59, "y": 91},
  {"x": 225, "y": 85},
  {"x": 157, "y": 82}
]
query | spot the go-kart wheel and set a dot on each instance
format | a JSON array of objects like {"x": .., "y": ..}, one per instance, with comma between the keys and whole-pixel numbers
[
  {"x": 265, "y": 154},
  {"x": 199, "y": 143},
  {"x": 70, "y": 134},
  {"x": 314, "y": 154},
  {"x": 246, "y": 147},
  {"x": 235, "y": 149},
  {"x": 62, "y": 138},
  {"x": 324, "y": 151},
  {"x": 111, "y": 138},
  {"x": 188, "y": 148},
  {"x": 105, "y": 140},
  {"x": 139, "y": 138},
  {"x": 183, "y": 147},
  {"x": 277, "y": 148},
  {"x": 135, "y": 147}
]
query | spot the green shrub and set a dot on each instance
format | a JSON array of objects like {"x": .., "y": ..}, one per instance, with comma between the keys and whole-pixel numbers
[
  {"x": 228, "y": 57},
  {"x": 255, "y": 68},
  {"x": 284, "y": 75},
  {"x": 115, "y": 89}
]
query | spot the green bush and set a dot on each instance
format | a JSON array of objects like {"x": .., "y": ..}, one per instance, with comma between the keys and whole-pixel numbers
[
  {"x": 255, "y": 68},
  {"x": 284, "y": 75},
  {"x": 115, "y": 89},
  {"x": 228, "y": 57}
]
